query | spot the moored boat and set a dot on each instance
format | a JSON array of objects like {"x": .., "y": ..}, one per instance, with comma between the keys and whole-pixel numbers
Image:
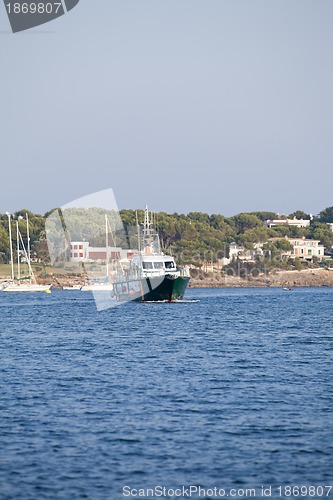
[
  {"x": 18, "y": 283},
  {"x": 27, "y": 287},
  {"x": 97, "y": 287}
]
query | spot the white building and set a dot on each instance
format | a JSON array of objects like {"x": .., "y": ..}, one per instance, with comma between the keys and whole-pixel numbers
[
  {"x": 79, "y": 251},
  {"x": 82, "y": 252},
  {"x": 302, "y": 248},
  {"x": 288, "y": 222},
  {"x": 242, "y": 253},
  {"x": 305, "y": 249}
]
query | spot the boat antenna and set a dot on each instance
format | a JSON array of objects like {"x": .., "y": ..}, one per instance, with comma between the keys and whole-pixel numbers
[
  {"x": 11, "y": 244},
  {"x": 146, "y": 224}
]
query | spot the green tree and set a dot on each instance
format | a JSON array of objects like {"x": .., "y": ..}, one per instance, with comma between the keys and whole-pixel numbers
[
  {"x": 199, "y": 216},
  {"x": 251, "y": 236},
  {"x": 4, "y": 244},
  {"x": 320, "y": 231},
  {"x": 245, "y": 221},
  {"x": 263, "y": 216},
  {"x": 326, "y": 215},
  {"x": 299, "y": 214},
  {"x": 274, "y": 250}
]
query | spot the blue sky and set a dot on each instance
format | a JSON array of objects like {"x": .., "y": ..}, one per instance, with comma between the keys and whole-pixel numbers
[{"x": 219, "y": 106}]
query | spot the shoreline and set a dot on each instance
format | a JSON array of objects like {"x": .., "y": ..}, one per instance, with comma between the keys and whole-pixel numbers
[{"x": 276, "y": 279}]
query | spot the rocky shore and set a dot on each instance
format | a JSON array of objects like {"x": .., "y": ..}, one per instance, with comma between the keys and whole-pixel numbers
[{"x": 308, "y": 277}]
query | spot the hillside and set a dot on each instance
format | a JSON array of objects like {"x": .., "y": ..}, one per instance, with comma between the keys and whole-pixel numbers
[{"x": 193, "y": 238}]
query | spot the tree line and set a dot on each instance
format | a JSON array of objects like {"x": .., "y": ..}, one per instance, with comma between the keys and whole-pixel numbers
[{"x": 188, "y": 236}]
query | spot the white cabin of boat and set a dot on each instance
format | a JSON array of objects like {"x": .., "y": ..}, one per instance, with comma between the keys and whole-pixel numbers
[{"x": 150, "y": 265}]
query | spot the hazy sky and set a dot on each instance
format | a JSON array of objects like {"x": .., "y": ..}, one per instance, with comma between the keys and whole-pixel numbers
[{"x": 189, "y": 105}]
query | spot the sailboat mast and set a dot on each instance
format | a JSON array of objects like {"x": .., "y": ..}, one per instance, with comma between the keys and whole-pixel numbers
[
  {"x": 11, "y": 245},
  {"x": 107, "y": 245},
  {"x": 28, "y": 238},
  {"x": 114, "y": 243},
  {"x": 31, "y": 273},
  {"x": 18, "y": 251}
]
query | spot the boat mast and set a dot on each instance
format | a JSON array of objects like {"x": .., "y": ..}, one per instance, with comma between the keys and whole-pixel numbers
[
  {"x": 146, "y": 221},
  {"x": 146, "y": 236},
  {"x": 138, "y": 231},
  {"x": 114, "y": 242},
  {"x": 107, "y": 245},
  {"x": 11, "y": 245},
  {"x": 28, "y": 238},
  {"x": 18, "y": 251},
  {"x": 159, "y": 249},
  {"x": 31, "y": 273},
  {"x": 150, "y": 238}
]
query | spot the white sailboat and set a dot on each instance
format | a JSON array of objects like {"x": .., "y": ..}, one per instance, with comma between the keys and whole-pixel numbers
[{"x": 19, "y": 284}]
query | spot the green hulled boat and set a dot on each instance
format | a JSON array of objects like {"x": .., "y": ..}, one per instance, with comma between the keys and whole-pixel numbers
[{"x": 151, "y": 275}]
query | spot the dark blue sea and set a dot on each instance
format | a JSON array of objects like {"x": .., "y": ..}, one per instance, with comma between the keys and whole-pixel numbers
[{"x": 231, "y": 389}]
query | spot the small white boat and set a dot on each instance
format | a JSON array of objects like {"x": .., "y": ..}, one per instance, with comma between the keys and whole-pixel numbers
[
  {"x": 73, "y": 287},
  {"x": 97, "y": 287}
]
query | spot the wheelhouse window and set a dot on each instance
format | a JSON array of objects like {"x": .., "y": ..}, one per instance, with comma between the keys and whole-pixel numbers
[
  {"x": 147, "y": 265},
  {"x": 158, "y": 265},
  {"x": 169, "y": 265}
]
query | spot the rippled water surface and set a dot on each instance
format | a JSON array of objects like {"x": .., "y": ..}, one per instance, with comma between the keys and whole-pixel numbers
[{"x": 232, "y": 388}]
